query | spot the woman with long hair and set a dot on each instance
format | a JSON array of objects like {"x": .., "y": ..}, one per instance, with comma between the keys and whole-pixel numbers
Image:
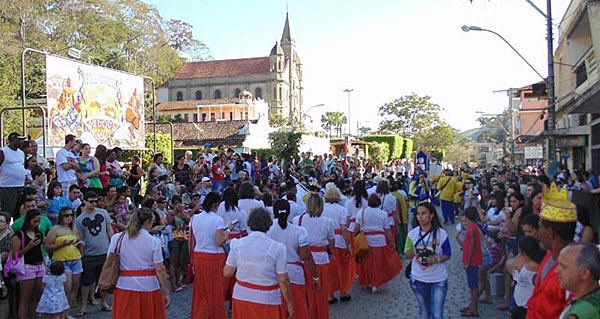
[
  {"x": 208, "y": 233},
  {"x": 142, "y": 273},
  {"x": 342, "y": 266},
  {"x": 381, "y": 263},
  {"x": 27, "y": 243},
  {"x": 259, "y": 265},
  {"x": 100, "y": 155},
  {"x": 64, "y": 241},
  {"x": 89, "y": 177},
  {"x": 247, "y": 198},
  {"x": 320, "y": 231},
  {"x": 429, "y": 248},
  {"x": 495, "y": 216},
  {"x": 298, "y": 256},
  {"x": 355, "y": 204}
]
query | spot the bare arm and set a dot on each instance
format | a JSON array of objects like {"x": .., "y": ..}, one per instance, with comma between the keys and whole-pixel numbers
[
  {"x": 286, "y": 291},
  {"x": 388, "y": 237},
  {"x": 161, "y": 273},
  {"x": 228, "y": 271}
]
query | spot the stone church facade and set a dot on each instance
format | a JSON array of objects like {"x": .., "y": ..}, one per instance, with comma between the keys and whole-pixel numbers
[{"x": 276, "y": 78}]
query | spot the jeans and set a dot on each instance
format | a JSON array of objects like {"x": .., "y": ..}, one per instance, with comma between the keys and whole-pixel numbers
[
  {"x": 448, "y": 211},
  {"x": 430, "y": 297}
]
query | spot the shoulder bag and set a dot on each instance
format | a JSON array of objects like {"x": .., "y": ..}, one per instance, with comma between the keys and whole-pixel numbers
[
  {"x": 360, "y": 241},
  {"x": 112, "y": 267},
  {"x": 14, "y": 263}
]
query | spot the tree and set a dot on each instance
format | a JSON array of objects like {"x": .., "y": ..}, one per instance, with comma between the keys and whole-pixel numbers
[
  {"x": 285, "y": 144},
  {"x": 379, "y": 153},
  {"x": 439, "y": 137},
  {"x": 365, "y": 130},
  {"x": 333, "y": 120},
  {"x": 277, "y": 120},
  {"x": 410, "y": 116}
]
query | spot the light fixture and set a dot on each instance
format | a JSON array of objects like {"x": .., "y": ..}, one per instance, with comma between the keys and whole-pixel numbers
[{"x": 74, "y": 53}]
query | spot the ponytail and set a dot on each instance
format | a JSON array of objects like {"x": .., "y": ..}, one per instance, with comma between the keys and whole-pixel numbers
[
  {"x": 137, "y": 220},
  {"x": 281, "y": 211}
]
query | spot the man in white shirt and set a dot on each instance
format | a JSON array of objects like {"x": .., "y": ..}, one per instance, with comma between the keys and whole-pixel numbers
[
  {"x": 66, "y": 164},
  {"x": 12, "y": 171}
]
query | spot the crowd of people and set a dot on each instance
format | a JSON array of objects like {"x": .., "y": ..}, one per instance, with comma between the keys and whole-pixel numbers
[{"x": 283, "y": 238}]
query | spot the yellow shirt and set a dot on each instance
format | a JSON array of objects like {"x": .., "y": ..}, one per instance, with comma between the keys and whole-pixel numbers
[
  {"x": 402, "y": 206},
  {"x": 457, "y": 190},
  {"x": 66, "y": 253},
  {"x": 465, "y": 175},
  {"x": 447, "y": 193}
]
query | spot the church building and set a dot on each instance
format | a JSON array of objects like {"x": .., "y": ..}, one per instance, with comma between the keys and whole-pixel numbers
[{"x": 276, "y": 79}]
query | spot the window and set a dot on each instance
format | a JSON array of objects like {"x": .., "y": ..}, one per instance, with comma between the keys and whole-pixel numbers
[
  {"x": 180, "y": 96},
  {"x": 246, "y": 115},
  {"x": 278, "y": 65},
  {"x": 198, "y": 95},
  {"x": 217, "y": 94},
  {"x": 196, "y": 117},
  {"x": 580, "y": 75},
  {"x": 222, "y": 115},
  {"x": 212, "y": 117},
  {"x": 186, "y": 118},
  {"x": 203, "y": 117},
  {"x": 280, "y": 93},
  {"x": 275, "y": 92},
  {"x": 231, "y": 116},
  {"x": 258, "y": 93},
  {"x": 237, "y": 93}
]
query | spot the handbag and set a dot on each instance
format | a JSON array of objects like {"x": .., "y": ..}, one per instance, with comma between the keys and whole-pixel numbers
[
  {"x": 111, "y": 268},
  {"x": 14, "y": 263},
  {"x": 360, "y": 241}
]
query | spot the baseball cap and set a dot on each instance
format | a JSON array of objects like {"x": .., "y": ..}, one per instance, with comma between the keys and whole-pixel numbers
[
  {"x": 205, "y": 179},
  {"x": 15, "y": 135}
]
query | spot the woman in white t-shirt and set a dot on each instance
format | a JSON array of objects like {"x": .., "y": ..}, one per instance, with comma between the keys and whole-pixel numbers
[
  {"x": 381, "y": 263},
  {"x": 356, "y": 203},
  {"x": 247, "y": 201},
  {"x": 523, "y": 269},
  {"x": 295, "y": 239},
  {"x": 260, "y": 268},
  {"x": 495, "y": 216},
  {"x": 429, "y": 248},
  {"x": 208, "y": 232},
  {"x": 142, "y": 273},
  {"x": 321, "y": 238},
  {"x": 342, "y": 265},
  {"x": 388, "y": 205}
]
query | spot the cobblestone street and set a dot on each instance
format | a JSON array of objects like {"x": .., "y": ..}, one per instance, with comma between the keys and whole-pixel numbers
[{"x": 397, "y": 300}]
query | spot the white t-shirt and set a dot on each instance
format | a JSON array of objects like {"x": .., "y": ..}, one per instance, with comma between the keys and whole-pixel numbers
[
  {"x": 248, "y": 204},
  {"x": 230, "y": 216},
  {"x": 320, "y": 230},
  {"x": 139, "y": 253},
  {"x": 295, "y": 210},
  {"x": 351, "y": 210},
  {"x": 388, "y": 205},
  {"x": 205, "y": 226},
  {"x": 258, "y": 260},
  {"x": 63, "y": 156},
  {"x": 376, "y": 220},
  {"x": 13, "y": 168},
  {"x": 491, "y": 214},
  {"x": 432, "y": 273},
  {"x": 337, "y": 214},
  {"x": 293, "y": 237}
]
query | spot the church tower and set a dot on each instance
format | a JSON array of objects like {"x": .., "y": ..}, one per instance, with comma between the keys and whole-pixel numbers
[
  {"x": 277, "y": 64},
  {"x": 294, "y": 72}
]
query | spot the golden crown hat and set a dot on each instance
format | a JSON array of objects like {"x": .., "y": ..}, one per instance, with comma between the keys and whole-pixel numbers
[{"x": 556, "y": 206}]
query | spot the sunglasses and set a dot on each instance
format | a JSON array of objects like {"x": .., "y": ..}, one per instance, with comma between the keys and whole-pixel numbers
[
  {"x": 93, "y": 201},
  {"x": 68, "y": 215}
]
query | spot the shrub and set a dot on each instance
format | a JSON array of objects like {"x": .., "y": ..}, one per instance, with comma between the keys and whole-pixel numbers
[{"x": 394, "y": 143}]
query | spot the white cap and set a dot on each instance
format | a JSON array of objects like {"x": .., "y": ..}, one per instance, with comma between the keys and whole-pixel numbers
[
  {"x": 205, "y": 179},
  {"x": 376, "y": 179}
]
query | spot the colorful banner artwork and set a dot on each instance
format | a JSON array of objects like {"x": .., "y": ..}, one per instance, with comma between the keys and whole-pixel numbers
[{"x": 96, "y": 104}]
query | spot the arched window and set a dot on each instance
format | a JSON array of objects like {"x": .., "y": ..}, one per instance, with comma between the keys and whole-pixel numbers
[
  {"x": 280, "y": 93},
  {"x": 217, "y": 94},
  {"x": 237, "y": 93},
  {"x": 180, "y": 96},
  {"x": 258, "y": 93},
  {"x": 198, "y": 95}
]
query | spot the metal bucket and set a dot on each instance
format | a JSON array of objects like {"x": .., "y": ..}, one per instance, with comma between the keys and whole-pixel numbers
[{"x": 496, "y": 284}]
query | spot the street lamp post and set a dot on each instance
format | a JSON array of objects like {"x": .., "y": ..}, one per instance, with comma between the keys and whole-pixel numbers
[
  {"x": 349, "y": 126},
  {"x": 549, "y": 79},
  {"x": 305, "y": 113}
]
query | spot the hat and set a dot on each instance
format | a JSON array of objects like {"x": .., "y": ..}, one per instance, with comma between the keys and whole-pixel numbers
[
  {"x": 15, "y": 135},
  {"x": 376, "y": 179},
  {"x": 556, "y": 206},
  {"x": 205, "y": 179}
]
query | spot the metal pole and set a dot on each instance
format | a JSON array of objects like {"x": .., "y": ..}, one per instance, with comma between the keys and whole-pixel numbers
[
  {"x": 550, "y": 83},
  {"x": 349, "y": 127},
  {"x": 512, "y": 128},
  {"x": 44, "y": 128},
  {"x": 23, "y": 93},
  {"x": 153, "y": 110}
]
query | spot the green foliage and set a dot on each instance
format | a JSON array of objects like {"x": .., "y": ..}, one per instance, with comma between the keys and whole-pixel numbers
[
  {"x": 278, "y": 121},
  {"x": 409, "y": 116},
  {"x": 163, "y": 146},
  {"x": 408, "y": 148},
  {"x": 365, "y": 130},
  {"x": 379, "y": 153},
  {"x": 439, "y": 137},
  {"x": 333, "y": 120},
  {"x": 266, "y": 151},
  {"x": 438, "y": 154},
  {"x": 394, "y": 142},
  {"x": 285, "y": 144}
]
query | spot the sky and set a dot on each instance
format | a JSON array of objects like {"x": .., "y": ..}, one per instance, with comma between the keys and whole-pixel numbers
[{"x": 385, "y": 49}]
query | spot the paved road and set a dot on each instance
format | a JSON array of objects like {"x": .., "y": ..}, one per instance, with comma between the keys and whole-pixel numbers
[{"x": 397, "y": 300}]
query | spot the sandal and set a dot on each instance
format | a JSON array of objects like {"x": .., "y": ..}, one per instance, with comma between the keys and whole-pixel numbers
[
  {"x": 80, "y": 314},
  {"x": 469, "y": 314},
  {"x": 178, "y": 289},
  {"x": 106, "y": 308}
]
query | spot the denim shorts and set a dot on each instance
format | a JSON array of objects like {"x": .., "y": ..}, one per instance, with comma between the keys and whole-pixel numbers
[
  {"x": 74, "y": 266},
  {"x": 472, "y": 277},
  {"x": 32, "y": 272}
]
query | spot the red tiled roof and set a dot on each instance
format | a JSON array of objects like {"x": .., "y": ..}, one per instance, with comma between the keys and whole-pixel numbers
[
  {"x": 191, "y": 104},
  {"x": 202, "y": 69},
  {"x": 202, "y": 131}
]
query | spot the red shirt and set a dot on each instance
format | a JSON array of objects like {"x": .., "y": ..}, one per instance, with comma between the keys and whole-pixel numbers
[
  {"x": 476, "y": 255},
  {"x": 548, "y": 298},
  {"x": 216, "y": 176}
]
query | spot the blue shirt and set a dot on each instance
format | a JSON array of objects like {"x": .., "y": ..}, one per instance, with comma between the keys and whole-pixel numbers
[{"x": 56, "y": 204}]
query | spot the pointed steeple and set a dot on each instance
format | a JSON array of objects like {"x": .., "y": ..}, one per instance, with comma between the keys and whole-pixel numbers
[{"x": 286, "y": 37}]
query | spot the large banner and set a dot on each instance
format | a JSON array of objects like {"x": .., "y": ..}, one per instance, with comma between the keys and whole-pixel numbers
[{"x": 97, "y": 105}]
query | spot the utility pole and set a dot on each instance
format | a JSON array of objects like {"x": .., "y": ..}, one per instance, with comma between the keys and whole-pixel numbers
[
  {"x": 512, "y": 128},
  {"x": 349, "y": 127},
  {"x": 550, "y": 84}
]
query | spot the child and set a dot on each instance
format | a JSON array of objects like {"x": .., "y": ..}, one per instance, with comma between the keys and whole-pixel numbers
[
  {"x": 523, "y": 270},
  {"x": 54, "y": 302},
  {"x": 472, "y": 258},
  {"x": 495, "y": 249},
  {"x": 121, "y": 209}
]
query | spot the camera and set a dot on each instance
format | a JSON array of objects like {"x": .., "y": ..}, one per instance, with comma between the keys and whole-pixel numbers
[{"x": 422, "y": 254}]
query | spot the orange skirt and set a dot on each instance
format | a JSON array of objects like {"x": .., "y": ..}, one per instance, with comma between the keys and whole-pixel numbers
[
  {"x": 346, "y": 269},
  {"x": 332, "y": 275},
  {"x": 208, "y": 299},
  {"x": 138, "y": 305},
  {"x": 299, "y": 300},
  {"x": 318, "y": 302},
  {"x": 251, "y": 310},
  {"x": 378, "y": 266}
]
